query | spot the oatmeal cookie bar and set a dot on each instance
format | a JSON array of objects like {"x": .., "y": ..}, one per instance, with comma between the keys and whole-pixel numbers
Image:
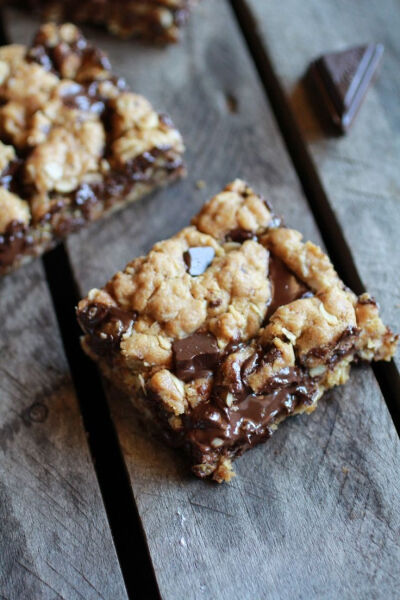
[
  {"x": 75, "y": 143},
  {"x": 156, "y": 20},
  {"x": 227, "y": 328}
]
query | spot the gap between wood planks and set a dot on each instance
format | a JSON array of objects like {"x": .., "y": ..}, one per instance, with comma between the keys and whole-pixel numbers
[
  {"x": 103, "y": 442},
  {"x": 109, "y": 464},
  {"x": 338, "y": 249}
]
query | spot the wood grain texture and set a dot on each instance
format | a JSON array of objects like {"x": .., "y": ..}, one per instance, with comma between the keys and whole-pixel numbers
[
  {"x": 315, "y": 512},
  {"x": 54, "y": 536},
  {"x": 360, "y": 172}
]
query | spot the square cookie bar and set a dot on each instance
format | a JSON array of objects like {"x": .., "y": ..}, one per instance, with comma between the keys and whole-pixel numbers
[
  {"x": 227, "y": 328},
  {"x": 155, "y": 20},
  {"x": 75, "y": 143}
]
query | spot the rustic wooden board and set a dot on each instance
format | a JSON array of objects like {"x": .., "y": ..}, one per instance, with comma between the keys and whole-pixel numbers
[
  {"x": 54, "y": 537},
  {"x": 360, "y": 172},
  {"x": 314, "y": 513}
]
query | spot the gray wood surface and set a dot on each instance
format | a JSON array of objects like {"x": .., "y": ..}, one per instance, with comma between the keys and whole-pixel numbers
[
  {"x": 54, "y": 536},
  {"x": 315, "y": 512},
  {"x": 360, "y": 172}
]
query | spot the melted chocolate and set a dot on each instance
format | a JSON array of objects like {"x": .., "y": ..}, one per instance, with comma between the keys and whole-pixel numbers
[
  {"x": 117, "y": 184},
  {"x": 198, "y": 259},
  {"x": 91, "y": 200},
  {"x": 195, "y": 355},
  {"x": 332, "y": 353},
  {"x": 285, "y": 286},
  {"x": 14, "y": 242},
  {"x": 105, "y": 325},
  {"x": 248, "y": 422}
]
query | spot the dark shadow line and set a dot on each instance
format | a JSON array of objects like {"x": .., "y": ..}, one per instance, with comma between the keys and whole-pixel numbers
[
  {"x": 338, "y": 249},
  {"x": 108, "y": 460}
]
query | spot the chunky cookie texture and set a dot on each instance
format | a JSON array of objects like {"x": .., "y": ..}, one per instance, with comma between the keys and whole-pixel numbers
[
  {"x": 156, "y": 20},
  {"x": 75, "y": 143},
  {"x": 227, "y": 328}
]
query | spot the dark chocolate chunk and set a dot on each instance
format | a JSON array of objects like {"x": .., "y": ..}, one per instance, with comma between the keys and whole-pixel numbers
[
  {"x": 14, "y": 242},
  {"x": 195, "y": 355},
  {"x": 285, "y": 286},
  {"x": 343, "y": 79},
  {"x": 198, "y": 259},
  {"x": 106, "y": 325},
  {"x": 83, "y": 97}
]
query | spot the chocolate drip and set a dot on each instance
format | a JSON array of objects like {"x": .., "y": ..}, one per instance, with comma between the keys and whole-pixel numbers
[
  {"x": 14, "y": 242},
  {"x": 105, "y": 325},
  {"x": 285, "y": 286},
  {"x": 195, "y": 355},
  {"x": 248, "y": 422}
]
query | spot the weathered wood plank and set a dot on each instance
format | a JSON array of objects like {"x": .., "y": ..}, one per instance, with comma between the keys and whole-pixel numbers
[
  {"x": 360, "y": 172},
  {"x": 314, "y": 513},
  {"x": 54, "y": 540}
]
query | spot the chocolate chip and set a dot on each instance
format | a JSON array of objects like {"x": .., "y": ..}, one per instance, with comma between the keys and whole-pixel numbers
[
  {"x": 197, "y": 259},
  {"x": 195, "y": 355}
]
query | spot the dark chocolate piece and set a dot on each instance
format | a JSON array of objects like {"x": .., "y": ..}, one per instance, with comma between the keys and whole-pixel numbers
[
  {"x": 106, "y": 325},
  {"x": 198, "y": 259},
  {"x": 343, "y": 79},
  {"x": 286, "y": 287},
  {"x": 195, "y": 355}
]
